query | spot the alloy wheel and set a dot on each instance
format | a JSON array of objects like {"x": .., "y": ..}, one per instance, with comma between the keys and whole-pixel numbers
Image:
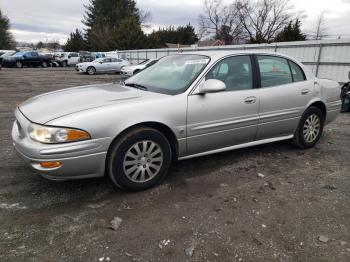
[
  {"x": 143, "y": 161},
  {"x": 312, "y": 127}
]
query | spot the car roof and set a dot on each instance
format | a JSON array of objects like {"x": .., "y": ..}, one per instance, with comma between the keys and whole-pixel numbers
[{"x": 216, "y": 54}]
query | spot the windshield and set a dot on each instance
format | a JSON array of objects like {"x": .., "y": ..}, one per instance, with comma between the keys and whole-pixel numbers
[
  {"x": 19, "y": 54},
  {"x": 171, "y": 74},
  {"x": 144, "y": 62},
  {"x": 98, "y": 60}
]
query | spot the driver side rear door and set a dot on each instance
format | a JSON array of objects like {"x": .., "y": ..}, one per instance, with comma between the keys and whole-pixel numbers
[{"x": 226, "y": 118}]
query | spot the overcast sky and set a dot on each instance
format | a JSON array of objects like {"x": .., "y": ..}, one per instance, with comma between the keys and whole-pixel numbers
[{"x": 43, "y": 20}]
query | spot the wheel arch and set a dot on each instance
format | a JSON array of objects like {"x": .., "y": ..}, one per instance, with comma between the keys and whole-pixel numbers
[
  {"x": 162, "y": 128},
  {"x": 320, "y": 105}
]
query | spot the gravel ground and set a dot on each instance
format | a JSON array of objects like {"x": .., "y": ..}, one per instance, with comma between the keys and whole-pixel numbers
[{"x": 213, "y": 208}]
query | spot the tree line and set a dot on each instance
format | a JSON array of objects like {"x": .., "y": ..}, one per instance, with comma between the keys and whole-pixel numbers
[{"x": 120, "y": 25}]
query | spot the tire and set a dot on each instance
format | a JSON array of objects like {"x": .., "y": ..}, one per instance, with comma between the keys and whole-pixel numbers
[
  {"x": 133, "y": 170},
  {"x": 91, "y": 70},
  {"x": 136, "y": 72},
  {"x": 19, "y": 64},
  {"x": 64, "y": 64},
  {"x": 310, "y": 128},
  {"x": 44, "y": 64}
]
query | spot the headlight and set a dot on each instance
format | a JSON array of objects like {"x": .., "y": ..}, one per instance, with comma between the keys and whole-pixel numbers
[{"x": 54, "y": 135}]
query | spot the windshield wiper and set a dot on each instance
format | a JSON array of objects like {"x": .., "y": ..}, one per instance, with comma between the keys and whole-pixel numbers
[{"x": 141, "y": 87}]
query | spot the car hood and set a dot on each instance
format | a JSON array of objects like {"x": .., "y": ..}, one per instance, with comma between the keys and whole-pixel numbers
[
  {"x": 10, "y": 58},
  {"x": 46, "y": 107},
  {"x": 85, "y": 64}
]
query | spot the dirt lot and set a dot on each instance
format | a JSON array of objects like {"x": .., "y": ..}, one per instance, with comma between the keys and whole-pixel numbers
[{"x": 215, "y": 208}]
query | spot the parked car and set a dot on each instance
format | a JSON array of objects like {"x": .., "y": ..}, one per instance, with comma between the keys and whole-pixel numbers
[
  {"x": 184, "y": 106},
  {"x": 6, "y": 54},
  {"x": 85, "y": 56},
  {"x": 67, "y": 59},
  {"x": 134, "y": 69},
  {"x": 27, "y": 58},
  {"x": 102, "y": 65}
]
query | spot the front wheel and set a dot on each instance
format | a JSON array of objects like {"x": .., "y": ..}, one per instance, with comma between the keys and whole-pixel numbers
[
  {"x": 19, "y": 64},
  {"x": 91, "y": 70},
  {"x": 44, "y": 64},
  {"x": 310, "y": 128},
  {"x": 139, "y": 160}
]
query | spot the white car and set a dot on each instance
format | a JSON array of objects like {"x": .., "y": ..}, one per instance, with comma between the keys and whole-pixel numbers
[
  {"x": 134, "y": 69},
  {"x": 102, "y": 65}
]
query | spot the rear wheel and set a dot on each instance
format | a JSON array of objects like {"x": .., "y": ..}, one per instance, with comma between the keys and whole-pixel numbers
[
  {"x": 139, "y": 160},
  {"x": 91, "y": 70},
  {"x": 44, "y": 64},
  {"x": 64, "y": 64},
  {"x": 310, "y": 128}
]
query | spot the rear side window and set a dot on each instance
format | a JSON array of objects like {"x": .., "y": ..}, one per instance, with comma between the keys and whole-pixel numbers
[
  {"x": 274, "y": 71},
  {"x": 297, "y": 72}
]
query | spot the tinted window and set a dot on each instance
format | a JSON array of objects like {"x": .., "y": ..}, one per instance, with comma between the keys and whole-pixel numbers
[
  {"x": 297, "y": 72},
  {"x": 106, "y": 60},
  {"x": 235, "y": 72},
  {"x": 151, "y": 63},
  {"x": 274, "y": 71},
  {"x": 34, "y": 54}
]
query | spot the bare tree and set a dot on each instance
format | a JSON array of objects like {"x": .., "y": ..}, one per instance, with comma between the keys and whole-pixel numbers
[
  {"x": 262, "y": 20},
  {"x": 220, "y": 20},
  {"x": 145, "y": 19},
  {"x": 319, "y": 30}
]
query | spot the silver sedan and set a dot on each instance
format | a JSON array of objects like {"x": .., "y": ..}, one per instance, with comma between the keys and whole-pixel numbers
[
  {"x": 102, "y": 65},
  {"x": 185, "y": 106}
]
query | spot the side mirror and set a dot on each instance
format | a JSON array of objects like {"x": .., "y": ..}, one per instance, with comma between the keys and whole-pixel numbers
[
  {"x": 101, "y": 62},
  {"x": 212, "y": 86}
]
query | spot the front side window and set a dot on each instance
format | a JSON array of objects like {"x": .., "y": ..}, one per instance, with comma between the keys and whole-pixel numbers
[
  {"x": 274, "y": 71},
  {"x": 171, "y": 74},
  {"x": 235, "y": 72}
]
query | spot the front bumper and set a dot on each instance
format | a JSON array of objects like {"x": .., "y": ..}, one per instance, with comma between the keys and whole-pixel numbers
[
  {"x": 80, "y": 69},
  {"x": 127, "y": 73},
  {"x": 8, "y": 63},
  {"x": 79, "y": 160}
]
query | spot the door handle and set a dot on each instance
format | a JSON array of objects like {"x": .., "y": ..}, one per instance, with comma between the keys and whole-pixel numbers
[
  {"x": 250, "y": 100},
  {"x": 305, "y": 91}
]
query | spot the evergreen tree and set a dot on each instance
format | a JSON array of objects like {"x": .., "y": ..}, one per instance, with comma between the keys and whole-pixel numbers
[
  {"x": 103, "y": 19},
  {"x": 6, "y": 38},
  {"x": 75, "y": 42},
  {"x": 40, "y": 45},
  {"x": 291, "y": 32},
  {"x": 129, "y": 35},
  {"x": 183, "y": 35}
]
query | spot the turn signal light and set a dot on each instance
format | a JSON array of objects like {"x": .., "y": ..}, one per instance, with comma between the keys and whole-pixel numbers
[
  {"x": 50, "y": 164},
  {"x": 73, "y": 134}
]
